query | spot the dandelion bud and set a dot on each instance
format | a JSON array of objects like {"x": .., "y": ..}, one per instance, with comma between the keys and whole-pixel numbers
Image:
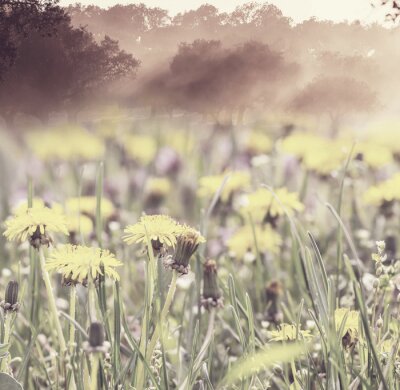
[
  {"x": 375, "y": 284},
  {"x": 379, "y": 322},
  {"x": 12, "y": 292},
  {"x": 96, "y": 334},
  {"x": 379, "y": 271},
  {"x": 273, "y": 292},
  {"x": 211, "y": 292},
  {"x": 186, "y": 244},
  {"x": 391, "y": 246},
  {"x": 11, "y": 297}
]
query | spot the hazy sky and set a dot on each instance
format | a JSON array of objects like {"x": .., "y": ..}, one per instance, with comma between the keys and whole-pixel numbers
[{"x": 336, "y": 10}]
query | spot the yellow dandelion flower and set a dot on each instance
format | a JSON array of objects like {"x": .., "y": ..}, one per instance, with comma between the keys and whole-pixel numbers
[
  {"x": 375, "y": 156},
  {"x": 65, "y": 144},
  {"x": 78, "y": 263},
  {"x": 34, "y": 224},
  {"x": 188, "y": 231},
  {"x": 21, "y": 207},
  {"x": 263, "y": 202},
  {"x": 80, "y": 223},
  {"x": 181, "y": 141},
  {"x": 386, "y": 191},
  {"x": 258, "y": 143},
  {"x": 160, "y": 229},
  {"x": 318, "y": 154},
  {"x": 140, "y": 148},
  {"x": 242, "y": 241},
  {"x": 301, "y": 143},
  {"x": 289, "y": 332},
  {"x": 385, "y": 134},
  {"x": 158, "y": 185},
  {"x": 209, "y": 185},
  {"x": 352, "y": 319},
  {"x": 87, "y": 205},
  {"x": 324, "y": 160}
]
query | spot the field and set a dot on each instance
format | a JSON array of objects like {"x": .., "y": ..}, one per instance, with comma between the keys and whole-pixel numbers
[{"x": 171, "y": 253}]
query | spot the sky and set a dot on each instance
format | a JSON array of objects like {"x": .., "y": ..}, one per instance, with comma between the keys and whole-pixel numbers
[{"x": 298, "y": 10}]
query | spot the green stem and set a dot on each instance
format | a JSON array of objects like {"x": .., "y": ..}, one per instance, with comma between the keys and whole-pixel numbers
[
  {"x": 94, "y": 373},
  {"x": 52, "y": 301},
  {"x": 293, "y": 367},
  {"x": 203, "y": 349},
  {"x": 72, "y": 309},
  {"x": 6, "y": 340},
  {"x": 156, "y": 334},
  {"x": 163, "y": 316}
]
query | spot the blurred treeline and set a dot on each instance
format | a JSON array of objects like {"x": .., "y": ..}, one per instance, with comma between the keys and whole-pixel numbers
[{"x": 218, "y": 64}]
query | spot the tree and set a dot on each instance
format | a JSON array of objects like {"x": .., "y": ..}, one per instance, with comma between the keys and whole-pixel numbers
[
  {"x": 20, "y": 18},
  {"x": 204, "y": 77},
  {"x": 61, "y": 71},
  {"x": 336, "y": 96}
]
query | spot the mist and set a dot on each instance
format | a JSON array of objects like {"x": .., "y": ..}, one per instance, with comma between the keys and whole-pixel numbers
[{"x": 204, "y": 61}]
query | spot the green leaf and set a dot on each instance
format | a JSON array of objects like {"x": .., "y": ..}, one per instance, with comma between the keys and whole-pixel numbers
[
  {"x": 252, "y": 364},
  {"x": 8, "y": 383}
]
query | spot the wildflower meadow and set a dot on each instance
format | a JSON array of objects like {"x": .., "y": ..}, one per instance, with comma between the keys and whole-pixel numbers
[{"x": 173, "y": 247}]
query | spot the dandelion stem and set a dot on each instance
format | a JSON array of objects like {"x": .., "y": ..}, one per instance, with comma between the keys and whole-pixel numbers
[
  {"x": 156, "y": 334},
  {"x": 293, "y": 367},
  {"x": 94, "y": 373},
  {"x": 72, "y": 309},
  {"x": 203, "y": 348},
  {"x": 163, "y": 316},
  {"x": 6, "y": 340},
  {"x": 52, "y": 301}
]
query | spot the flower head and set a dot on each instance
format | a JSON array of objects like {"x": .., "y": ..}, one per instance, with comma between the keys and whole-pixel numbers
[
  {"x": 384, "y": 192},
  {"x": 156, "y": 190},
  {"x": 80, "y": 224},
  {"x": 243, "y": 241},
  {"x": 289, "y": 332},
  {"x": 209, "y": 185},
  {"x": 257, "y": 143},
  {"x": 347, "y": 321},
  {"x": 53, "y": 144},
  {"x": 141, "y": 148},
  {"x": 160, "y": 229},
  {"x": 375, "y": 156},
  {"x": 186, "y": 244},
  {"x": 263, "y": 204},
  {"x": 158, "y": 185},
  {"x": 87, "y": 205},
  {"x": 34, "y": 224},
  {"x": 318, "y": 154},
  {"x": 78, "y": 263}
]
